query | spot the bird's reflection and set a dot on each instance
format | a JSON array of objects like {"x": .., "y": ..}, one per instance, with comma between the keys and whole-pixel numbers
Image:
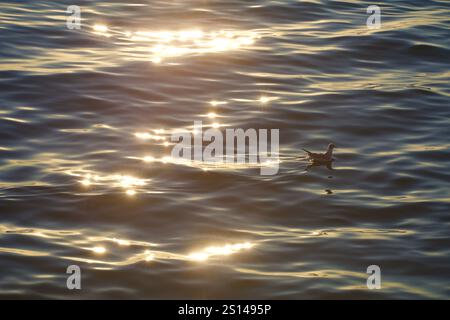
[{"x": 315, "y": 163}]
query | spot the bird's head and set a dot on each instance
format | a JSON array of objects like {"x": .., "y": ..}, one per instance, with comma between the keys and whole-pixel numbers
[{"x": 331, "y": 146}]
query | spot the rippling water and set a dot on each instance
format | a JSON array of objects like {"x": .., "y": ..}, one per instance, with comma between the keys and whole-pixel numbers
[{"x": 86, "y": 176}]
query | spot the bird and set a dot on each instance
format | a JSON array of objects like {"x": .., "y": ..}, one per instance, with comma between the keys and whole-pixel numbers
[{"x": 321, "y": 157}]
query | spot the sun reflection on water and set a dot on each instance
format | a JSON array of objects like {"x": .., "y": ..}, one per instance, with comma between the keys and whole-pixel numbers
[
  {"x": 126, "y": 182},
  {"x": 114, "y": 250},
  {"x": 131, "y": 192},
  {"x": 121, "y": 242},
  {"x": 99, "y": 250},
  {"x": 148, "y": 136},
  {"x": 266, "y": 99},
  {"x": 100, "y": 28},
  {"x": 216, "y": 103},
  {"x": 225, "y": 250},
  {"x": 211, "y": 115},
  {"x": 166, "y": 44},
  {"x": 224, "y": 163}
]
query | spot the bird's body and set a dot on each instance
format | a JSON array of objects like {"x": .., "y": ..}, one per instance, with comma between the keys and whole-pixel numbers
[{"x": 321, "y": 157}]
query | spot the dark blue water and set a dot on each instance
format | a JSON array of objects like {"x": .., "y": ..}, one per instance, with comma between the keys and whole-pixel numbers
[{"x": 86, "y": 176}]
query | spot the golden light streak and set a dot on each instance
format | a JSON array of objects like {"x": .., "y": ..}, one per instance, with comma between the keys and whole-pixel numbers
[
  {"x": 100, "y": 28},
  {"x": 99, "y": 250},
  {"x": 219, "y": 251},
  {"x": 216, "y": 103}
]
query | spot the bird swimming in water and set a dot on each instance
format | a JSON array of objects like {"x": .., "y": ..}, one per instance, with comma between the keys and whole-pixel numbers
[{"x": 322, "y": 158}]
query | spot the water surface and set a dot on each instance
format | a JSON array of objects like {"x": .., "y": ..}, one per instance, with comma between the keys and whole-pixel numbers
[{"x": 86, "y": 177}]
